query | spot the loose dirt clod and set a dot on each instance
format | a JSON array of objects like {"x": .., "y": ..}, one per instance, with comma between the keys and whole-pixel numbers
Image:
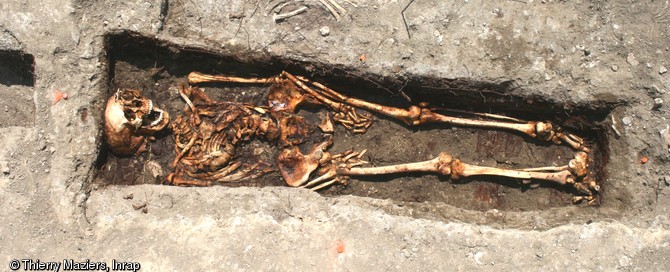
[{"x": 137, "y": 206}]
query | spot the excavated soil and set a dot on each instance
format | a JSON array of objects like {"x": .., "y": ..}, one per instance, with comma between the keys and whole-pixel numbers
[{"x": 597, "y": 68}]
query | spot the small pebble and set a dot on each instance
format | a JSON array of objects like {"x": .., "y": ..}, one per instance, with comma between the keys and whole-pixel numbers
[
  {"x": 325, "y": 31},
  {"x": 666, "y": 180},
  {"x": 658, "y": 102},
  {"x": 407, "y": 54},
  {"x": 396, "y": 68},
  {"x": 624, "y": 261},
  {"x": 632, "y": 60},
  {"x": 478, "y": 257},
  {"x": 615, "y": 68},
  {"x": 662, "y": 70},
  {"x": 626, "y": 120},
  {"x": 665, "y": 134}
]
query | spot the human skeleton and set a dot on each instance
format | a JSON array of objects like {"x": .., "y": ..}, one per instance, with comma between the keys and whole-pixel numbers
[{"x": 208, "y": 134}]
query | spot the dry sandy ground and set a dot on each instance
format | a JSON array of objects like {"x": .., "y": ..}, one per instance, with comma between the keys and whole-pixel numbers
[{"x": 601, "y": 61}]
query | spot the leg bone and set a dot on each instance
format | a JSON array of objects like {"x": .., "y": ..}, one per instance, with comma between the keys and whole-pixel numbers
[
  {"x": 416, "y": 115},
  {"x": 446, "y": 165}
]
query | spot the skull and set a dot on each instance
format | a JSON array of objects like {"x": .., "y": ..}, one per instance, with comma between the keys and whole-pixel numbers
[{"x": 129, "y": 118}]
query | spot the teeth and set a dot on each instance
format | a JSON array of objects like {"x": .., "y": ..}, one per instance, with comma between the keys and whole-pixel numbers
[
  {"x": 158, "y": 120},
  {"x": 151, "y": 106}
]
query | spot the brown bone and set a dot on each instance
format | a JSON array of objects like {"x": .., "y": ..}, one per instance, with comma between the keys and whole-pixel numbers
[
  {"x": 129, "y": 118},
  {"x": 446, "y": 165}
]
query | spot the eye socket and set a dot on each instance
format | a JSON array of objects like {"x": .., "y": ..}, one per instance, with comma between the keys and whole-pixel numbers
[
  {"x": 129, "y": 114},
  {"x": 124, "y": 95},
  {"x": 137, "y": 103}
]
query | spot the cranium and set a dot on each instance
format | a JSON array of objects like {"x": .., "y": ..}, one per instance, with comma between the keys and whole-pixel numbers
[{"x": 129, "y": 118}]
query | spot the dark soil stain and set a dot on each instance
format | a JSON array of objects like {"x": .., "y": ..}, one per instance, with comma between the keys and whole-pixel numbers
[{"x": 156, "y": 68}]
